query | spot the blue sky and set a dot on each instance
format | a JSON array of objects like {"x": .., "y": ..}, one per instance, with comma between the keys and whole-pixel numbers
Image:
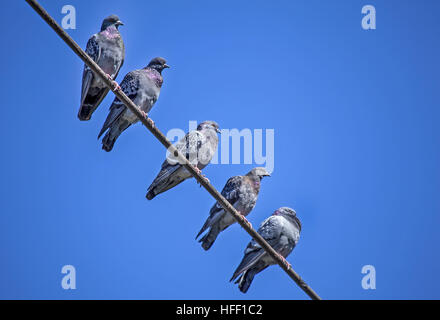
[{"x": 356, "y": 149}]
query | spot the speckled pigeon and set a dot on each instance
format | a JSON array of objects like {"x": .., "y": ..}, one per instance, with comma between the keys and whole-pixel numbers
[
  {"x": 143, "y": 88},
  {"x": 106, "y": 48},
  {"x": 198, "y": 146},
  {"x": 242, "y": 193},
  {"x": 281, "y": 231}
]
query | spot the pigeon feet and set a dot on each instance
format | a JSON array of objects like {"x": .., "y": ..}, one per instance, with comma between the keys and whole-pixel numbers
[
  {"x": 287, "y": 264},
  {"x": 197, "y": 170},
  {"x": 116, "y": 86},
  {"x": 145, "y": 115},
  {"x": 246, "y": 221},
  {"x": 151, "y": 122},
  {"x": 200, "y": 172}
]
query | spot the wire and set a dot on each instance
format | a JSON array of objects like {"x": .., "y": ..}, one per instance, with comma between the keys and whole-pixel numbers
[{"x": 244, "y": 223}]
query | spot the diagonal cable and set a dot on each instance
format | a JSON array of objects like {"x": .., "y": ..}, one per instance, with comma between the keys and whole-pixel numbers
[{"x": 244, "y": 223}]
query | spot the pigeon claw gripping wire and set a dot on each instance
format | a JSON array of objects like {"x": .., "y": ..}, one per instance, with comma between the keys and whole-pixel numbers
[
  {"x": 151, "y": 122},
  {"x": 197, "y": 170},
  {"x": 115, "y": 85},
  {"x": 246, "y": 221},
  {"x": 200, "y": 172},
  {"x": 285, "y": 262},
  {"x": 145, "y": 115}
]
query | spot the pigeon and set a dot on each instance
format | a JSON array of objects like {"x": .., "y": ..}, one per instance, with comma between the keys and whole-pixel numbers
[
  {"x": 198, "y": 146},
  {"x": 106, "y": 48},
  {"x": 281, "y": 231},
  {"x": 143, "y": 88},
  {"x": 242, "y": 193}
]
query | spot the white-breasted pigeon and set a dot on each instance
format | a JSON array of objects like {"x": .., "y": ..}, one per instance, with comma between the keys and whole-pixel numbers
[
  {"x": 198, "y": 146},
  {"x": 281, "y": 231}
]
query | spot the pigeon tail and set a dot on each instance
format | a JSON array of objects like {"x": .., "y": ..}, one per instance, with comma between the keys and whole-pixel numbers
[
  {"x": 108, "y": 142},
  {"x": 244, "y": 282},
  {"x": 110, "y": 137},
  {"x": 205, "y": 226},
  {"x": 209, "y": 238},
  {"x": 162, "y": 183},
  {"x": 85, "y": 112},
  {"x": 150, "y": 195},
  {"x": 90, "y": 103}
]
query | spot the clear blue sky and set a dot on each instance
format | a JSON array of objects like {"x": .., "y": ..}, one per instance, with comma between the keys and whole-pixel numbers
[{"x": 356, "y": 149}]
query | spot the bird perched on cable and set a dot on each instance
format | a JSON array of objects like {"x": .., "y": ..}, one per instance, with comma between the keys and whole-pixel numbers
[
  {"x": 106, "y": 48},
  {"x": 198, "y": 146},
  {"x": 143, "y": 88},
  {"x": 281, "y": 231},
  {"x": 242, "y": 193}
]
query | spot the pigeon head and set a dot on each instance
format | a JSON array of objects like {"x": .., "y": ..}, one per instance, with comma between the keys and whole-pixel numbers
[
  {"x": 208, "y": 125},
  {"x": 112, "y": 20},
  {"x": 289, "y": 214},
  {"x": 258, "y": 172},
  {"x": 158, "y": 64}
]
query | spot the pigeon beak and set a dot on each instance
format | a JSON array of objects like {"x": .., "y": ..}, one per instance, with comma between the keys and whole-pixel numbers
[
  {"x": 119, "y": 23},
  {"x": 218, "y": 130},
  {"x": 166, "y": 66}
]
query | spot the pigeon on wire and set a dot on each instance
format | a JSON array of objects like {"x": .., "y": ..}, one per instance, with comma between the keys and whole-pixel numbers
[
  {"x": 198, "y": 146},
  {"x": 143, "y": 88},
  {"x": 281, "y": 231},
  {"x": 242, "y": 193},
  {"x": 106, "y": 48}
]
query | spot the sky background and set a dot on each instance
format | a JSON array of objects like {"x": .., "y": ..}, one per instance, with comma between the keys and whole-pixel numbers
[{"x": 355, "y": 116}]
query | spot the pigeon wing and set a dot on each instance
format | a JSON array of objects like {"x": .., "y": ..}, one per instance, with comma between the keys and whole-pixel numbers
[
  {"x": 270, "y": 230},
  {"x": 231, "y": 191},
  {"x": 122, "y": 60},
  {"x": 187, "y": 146},
  {"x": 94, "y": 51},
  {"x": 130, "y": 86},
  {"x": 190, "y": 145}
]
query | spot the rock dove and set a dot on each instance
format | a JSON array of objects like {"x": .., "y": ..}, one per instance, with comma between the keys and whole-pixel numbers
[
  {"x": 199, "y": 146},
  {"x": 242, "y": 193},
  {"x": 281, "y": 231},
  {"x": 106, "y": 48},
  {"x": 143, "y": 88}
]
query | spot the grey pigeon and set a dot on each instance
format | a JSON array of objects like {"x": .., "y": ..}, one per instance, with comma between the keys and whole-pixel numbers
[
  {"x": 242, "y": 193},
  {"x": 106, "y": 48},
  {"x": 143, "y": 88},
  {"x": 198, "y": 146},
  {"x": 281, "y": 231}
]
